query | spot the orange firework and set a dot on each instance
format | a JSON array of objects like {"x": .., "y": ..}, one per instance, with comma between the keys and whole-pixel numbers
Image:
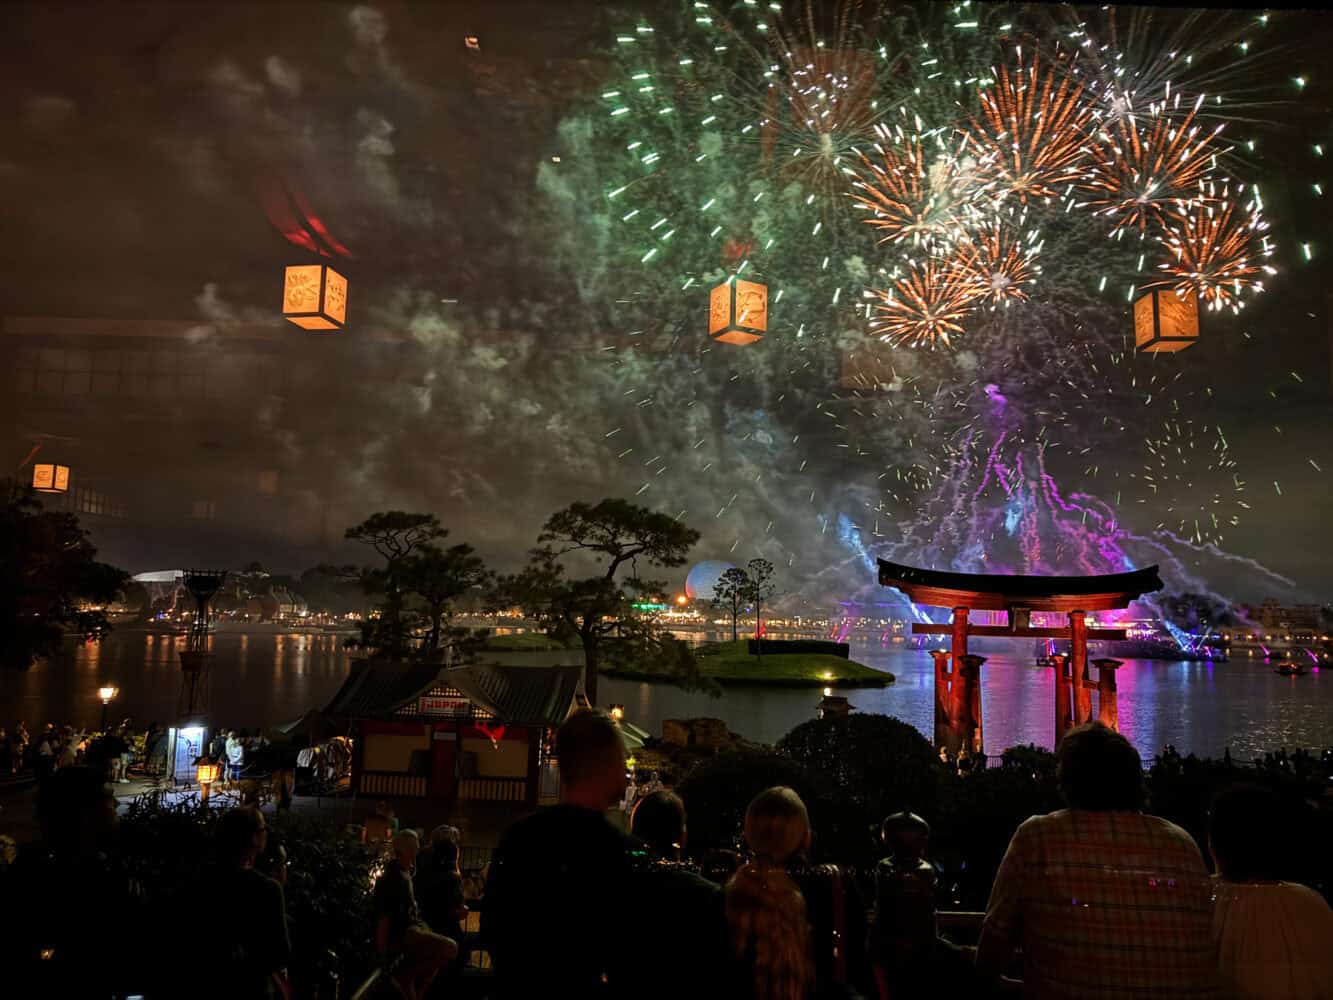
[
  {"x": 1217, "y": 253},
  {"x": 925, "y": 306},
  {"x": 1033, "y": 130},
  {"x": 907, "y": 199},
  {"x": 1140, "y": 171},
  {"x": 997, "y": 263}
]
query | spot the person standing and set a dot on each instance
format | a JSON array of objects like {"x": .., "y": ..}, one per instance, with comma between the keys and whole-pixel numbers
[
  {"x": 21, "y": 742},
  {"x": 235, "y": 749},
  {"x": 1105, "y": 900},
  {"x": 679, "y": 911},
  {"x": 251, "y": 911},
  {"x": 770, "y": 932},
  {"x": 439, "y": 889},
  {"x": 1274, "y": 938},
  {"x": 54, "y": 941},
  {"x": 412, "y": 952},
  {"x": 550, "y": 920},
  {"x": 44, "y": 761}
]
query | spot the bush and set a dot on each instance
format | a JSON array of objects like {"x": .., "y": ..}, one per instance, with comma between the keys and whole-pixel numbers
[
  {"x": 717, "y": 792},
  {"x": 167, "y": 849},
  {"x": 973, "y": 824},
  {"x": 881, "y": 761}
]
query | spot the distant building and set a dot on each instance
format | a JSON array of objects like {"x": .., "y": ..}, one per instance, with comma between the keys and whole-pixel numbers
[{"x": 1282, "y": 618}]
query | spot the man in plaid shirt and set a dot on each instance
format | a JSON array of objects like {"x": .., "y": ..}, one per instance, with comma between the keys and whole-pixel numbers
[{"x": 1104, "y": 900}]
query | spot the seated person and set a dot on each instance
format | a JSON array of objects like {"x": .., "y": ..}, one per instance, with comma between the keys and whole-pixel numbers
[
  {"x": 681, "y": 912},
  {"x": 406, "y": 946},
  {"x": 1104, "y": 900},
  {"x": 1274, "y": 938}
]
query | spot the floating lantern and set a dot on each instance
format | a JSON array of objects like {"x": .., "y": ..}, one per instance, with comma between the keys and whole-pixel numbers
[
  {"x": 49, "y": 478},
  {"x": 738, "y": 311},
  {"x": 1165, "y": 321},
  {"x": 314, "y": 297}
]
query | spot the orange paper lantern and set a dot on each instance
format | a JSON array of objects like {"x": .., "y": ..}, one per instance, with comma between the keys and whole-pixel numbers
[
  {"x": 48, "y": 478},
  {"x": 314, "y": 297},
  {"x": 1165, "y": 321},
  {"x": 738, "y": 311}
]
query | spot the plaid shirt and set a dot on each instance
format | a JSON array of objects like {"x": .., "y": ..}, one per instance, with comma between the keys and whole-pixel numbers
[{"x": 1104, "y": 904}]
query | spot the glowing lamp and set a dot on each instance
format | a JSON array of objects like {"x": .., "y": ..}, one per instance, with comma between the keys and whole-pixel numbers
[
  {"x": 738, "y": 311},
  {"x": 617, "y": 712},
  {"x": 682, "y": 600},
  {"x": 1165, "y": 321},
  {"x": 314, "y": 297},
  {"x": 107, "y": 694},
  {"x": 206, "y": 771},
  {"x": 631, "y": 763},
  {"x": 48, "y": 478}
]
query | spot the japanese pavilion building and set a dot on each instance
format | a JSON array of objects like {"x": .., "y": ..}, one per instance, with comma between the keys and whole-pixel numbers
[
  {"x": 481, "y": 732},
  {"x": 958, "y": 673}
]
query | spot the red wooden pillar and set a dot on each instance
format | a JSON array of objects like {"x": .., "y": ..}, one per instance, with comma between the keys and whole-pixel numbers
[
  {"x": 530, "y": 789},
  {"x": 1078, "y": 633},
  {"x": 1108, "y": 700},
  {"x": 941, "y": 657},
  {"x": 957, "y": 689},
  {"x": 1062, "y": 707},
  {"x": 973, "y": 737}
]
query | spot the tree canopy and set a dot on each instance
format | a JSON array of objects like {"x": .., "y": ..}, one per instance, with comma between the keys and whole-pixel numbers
[
  {"x": 50, "y": 581},
  {"x": 613, "y": 533},
  {"x": 730, "y": 594},
  {"x": 418, "y": 583}
]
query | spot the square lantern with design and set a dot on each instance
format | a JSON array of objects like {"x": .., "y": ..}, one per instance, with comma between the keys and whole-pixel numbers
[
  {"x": 49, "y": 478},
  {"x": 738, "y": 311},
  {"x": 1165, "y": 321},
  {"x": 314, "y": 297}
]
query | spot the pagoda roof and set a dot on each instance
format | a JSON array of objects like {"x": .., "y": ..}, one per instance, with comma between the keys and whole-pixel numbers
[{"x": 996, "y": 592}]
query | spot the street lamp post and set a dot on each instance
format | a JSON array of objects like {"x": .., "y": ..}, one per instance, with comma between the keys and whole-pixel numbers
[{"x": 107, "y": 694}]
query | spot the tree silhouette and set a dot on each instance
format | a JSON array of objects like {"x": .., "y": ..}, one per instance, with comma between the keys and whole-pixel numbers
[
  {"x": 395, "y": 535},
  {"x": 613, "y": 534},
  {"x": 48, "y": 577},
  {"x": 439, "y": 577},
  {"x": 761, "y": 588},
  {"x": 730, "y": 592}
]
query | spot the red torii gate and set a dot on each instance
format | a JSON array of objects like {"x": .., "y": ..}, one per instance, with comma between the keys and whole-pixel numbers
[{"x": 958, "y": 674}]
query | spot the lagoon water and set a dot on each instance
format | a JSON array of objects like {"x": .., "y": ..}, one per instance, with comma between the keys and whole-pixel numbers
[{"x": 262, "y": 679}]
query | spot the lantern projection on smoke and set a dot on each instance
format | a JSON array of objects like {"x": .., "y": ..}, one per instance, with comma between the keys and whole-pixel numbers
[
  {"x": 48, "y": 478},
  {"x": 314, "y": 297},
  {"x": 1166, "y": 321},
  {"x": 738, "y": 311}
]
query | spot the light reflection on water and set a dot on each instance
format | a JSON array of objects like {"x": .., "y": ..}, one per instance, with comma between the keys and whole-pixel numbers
[
  {"x": 1199, "y": 707},
  {"x": 261, "y": 679}
]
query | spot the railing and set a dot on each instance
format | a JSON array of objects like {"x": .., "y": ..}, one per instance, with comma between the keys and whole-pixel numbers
[
  {"x": 493, "y": 789},
  {"x": 393, "y": 784}
]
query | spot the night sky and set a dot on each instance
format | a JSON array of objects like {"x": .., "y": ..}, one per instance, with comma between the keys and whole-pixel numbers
[{"x": 152, "y": 148}]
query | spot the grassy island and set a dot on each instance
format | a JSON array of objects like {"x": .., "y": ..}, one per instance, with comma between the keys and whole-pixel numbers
[
  {"x": 731, "y": 663},
  {"x": 522, "y": 642}
]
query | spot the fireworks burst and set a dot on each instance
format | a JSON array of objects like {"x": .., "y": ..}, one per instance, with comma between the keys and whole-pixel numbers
[
  {"x": 1140, "y": 171},
  {"x": 902, "y": 171},
  {"x": 1215, "y": 253},
  {"x": 926, "y": 305},
  {"x": 907, "y": 199},
  {"x": 1033, "y": 129},
  {"x": 1193, "y": 480},
  {"x": 999, "y": 263}
]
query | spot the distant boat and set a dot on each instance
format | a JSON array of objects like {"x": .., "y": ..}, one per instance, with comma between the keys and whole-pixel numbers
[{"x": 1289, "y": 668}]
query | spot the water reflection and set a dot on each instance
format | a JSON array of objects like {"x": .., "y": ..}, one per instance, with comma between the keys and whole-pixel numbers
[
  {"x": 258, "y": 680},
  {"x": 254, "y": 680},
  {"x": 1241, "y": 704}
]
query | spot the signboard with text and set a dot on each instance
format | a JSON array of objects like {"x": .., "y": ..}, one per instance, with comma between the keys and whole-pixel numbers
[{"x": 442, "y": 705}]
